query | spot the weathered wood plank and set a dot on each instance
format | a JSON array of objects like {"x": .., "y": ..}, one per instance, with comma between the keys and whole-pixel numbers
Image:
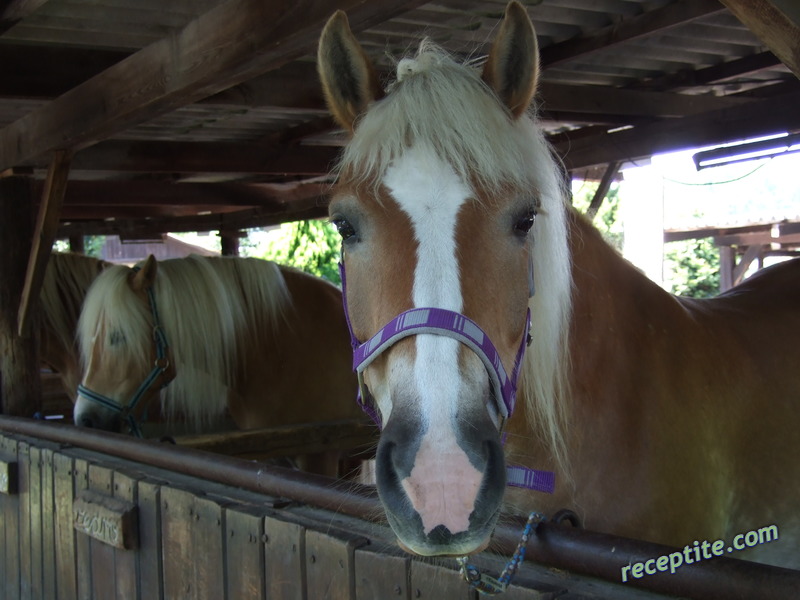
[
  {"x": 63, "y": 492},
  {"x": 35, "y": 517},
  {"x": 49, "y": 585},
  {"x": 5, "y": 460},
  {"x": 83, "y": 553},
  {"x": 101, "y": 523},
  {"x": 244, "y": 553},
  {"x": 382, "y": 574},
  {"x": 311, "y": 208},
  {"x": 673, "y": 14},
  {"x": 229, "y": 44},
  {"x": 776, "y": 23},
  {"x": 9, "y": 477},
  {"x": 25, "y": 571},
  {"x": 192, "y": 538},
  {"x": 126, "y": 561},
  {"x": 430, "y": 581},
  {"x": 151, "y": 574},
  {"x": 205, "y": 157},
  {"x": 13, "y": 11},
  {"x": 330, "y": 564},
  {"x": 284, "y": 559},
  {"x": 10, "y": 517}
]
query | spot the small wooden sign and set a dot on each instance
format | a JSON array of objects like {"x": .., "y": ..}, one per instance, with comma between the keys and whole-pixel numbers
[
  {"x": 110, "y": 520},
  {"x": 8, "y": 477}
]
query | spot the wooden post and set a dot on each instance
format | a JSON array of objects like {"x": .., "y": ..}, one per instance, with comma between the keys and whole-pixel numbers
[
  {"x": 77, "y": 244},
  {"x": 44, "y": 235},
  {"x": 602, "y": 190},
  {"x": 20, "y": 384},
  {"x": 229, "y": 242}
]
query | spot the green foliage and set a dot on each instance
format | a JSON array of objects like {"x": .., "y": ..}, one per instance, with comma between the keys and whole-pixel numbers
[
  {"x": 92, "y": 245},
  {"x": 693, "y": 268},
  {"x": 311, "y": 246},
  {"x": 607, "y": 219}
]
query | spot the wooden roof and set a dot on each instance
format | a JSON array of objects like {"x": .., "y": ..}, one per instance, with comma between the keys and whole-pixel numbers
[{"x": 207, "y": 115}]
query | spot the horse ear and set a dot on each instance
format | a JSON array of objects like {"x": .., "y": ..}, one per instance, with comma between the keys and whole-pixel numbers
[
  {"x": 349, "y": 80},
  {"x": 513, "y": 64},
  {"x": 145, "y": 275}
]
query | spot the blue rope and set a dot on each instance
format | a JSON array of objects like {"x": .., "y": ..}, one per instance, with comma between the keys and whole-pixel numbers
[{"x": 488, "y": 585}]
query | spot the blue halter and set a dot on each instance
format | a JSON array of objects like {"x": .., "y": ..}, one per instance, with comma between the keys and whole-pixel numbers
[{"x": 160, "y": 367}]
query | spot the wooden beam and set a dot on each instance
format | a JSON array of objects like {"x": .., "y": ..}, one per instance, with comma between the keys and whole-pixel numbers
[
  {"x": 774, "y": 22},
  {"x": 47, "y": 72},
  {"x": 602, "y": 189},
  {"x": 757, "y": 118},
  {"x": 231, "y": 43},
  {"x": 634, "y": 103},
  {"x": 140, "y": 194},
  {"x": 746, "y": 235},
  {"x": 655, "y": 21},
  {"x": 298, "y": 205},
  {"x": 13, "y": 11},
  {"x": 43, "y": 236},
  {"x": 750, "y": 254},
  {"x": 727, "y": 70},
  {"x": 206, "y": 157}
]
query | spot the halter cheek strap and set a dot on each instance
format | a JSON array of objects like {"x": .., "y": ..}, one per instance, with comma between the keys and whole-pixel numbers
[{"x": 159, "y": 375}]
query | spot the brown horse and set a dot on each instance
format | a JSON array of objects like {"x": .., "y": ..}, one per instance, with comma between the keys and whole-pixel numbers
[
  {"x": 664, "y": 419},
  {"x": 66, "y": 281},
  {"x": 266, "y": 343}
]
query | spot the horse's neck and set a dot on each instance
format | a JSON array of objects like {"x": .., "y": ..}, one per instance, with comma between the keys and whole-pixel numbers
[
  {"x": 609, "y": 292},
  {"x": 621, "y": 324}
]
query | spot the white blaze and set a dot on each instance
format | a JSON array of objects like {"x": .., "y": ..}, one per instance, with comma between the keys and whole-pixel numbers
[
  {"x": 431, "y": 194},
  {"x": 443, "y": 485}
]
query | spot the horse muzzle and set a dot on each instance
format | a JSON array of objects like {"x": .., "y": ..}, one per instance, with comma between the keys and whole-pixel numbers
[{"x": 442, "y": 491}]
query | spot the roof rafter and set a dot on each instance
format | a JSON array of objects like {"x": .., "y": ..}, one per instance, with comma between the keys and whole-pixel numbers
[{"x": 231, "y": 43}]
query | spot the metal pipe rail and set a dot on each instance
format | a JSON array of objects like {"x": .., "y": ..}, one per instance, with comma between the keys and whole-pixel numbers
[{"x": 576, "y": 550}]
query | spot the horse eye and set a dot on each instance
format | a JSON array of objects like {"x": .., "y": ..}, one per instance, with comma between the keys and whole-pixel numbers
[
  {"x": 345, "y": 229},
  {"x": 116, "y": 338},
  {"x": 525, "y": 223}
]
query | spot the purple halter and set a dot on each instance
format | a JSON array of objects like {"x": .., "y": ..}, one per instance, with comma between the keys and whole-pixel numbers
[{"x": 439, "y": 321}]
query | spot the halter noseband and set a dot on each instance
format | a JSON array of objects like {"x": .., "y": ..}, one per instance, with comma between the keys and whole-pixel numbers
[
  {"x": 448, "y": 323},
  {"x": 160, "y": 370}
]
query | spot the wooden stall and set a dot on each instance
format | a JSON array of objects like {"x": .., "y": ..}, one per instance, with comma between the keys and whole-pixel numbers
[{"x": 97, "y": 515}]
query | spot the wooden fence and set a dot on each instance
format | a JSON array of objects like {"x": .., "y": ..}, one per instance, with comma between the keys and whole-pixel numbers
[{"x": 79, "y": 524}]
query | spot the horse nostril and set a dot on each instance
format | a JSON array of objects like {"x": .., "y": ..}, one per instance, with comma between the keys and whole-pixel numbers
[{"x": 86, "y": 421}]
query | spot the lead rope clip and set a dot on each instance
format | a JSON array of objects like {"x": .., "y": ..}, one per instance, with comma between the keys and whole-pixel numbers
[{"x": 488, "y": 585}]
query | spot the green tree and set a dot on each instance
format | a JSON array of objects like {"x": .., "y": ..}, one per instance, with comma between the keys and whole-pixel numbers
[
  {"x": 607, "y": 219},
  {"x": 92, "y": 245},
  {"x": 693, "y": 267},
  {"x": 311, "y": 246}
]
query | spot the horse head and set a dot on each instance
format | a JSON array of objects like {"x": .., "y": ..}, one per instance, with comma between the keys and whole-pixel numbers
[
  {"x": 436, "y": 202},
  {"x": 124, "y": 350}
]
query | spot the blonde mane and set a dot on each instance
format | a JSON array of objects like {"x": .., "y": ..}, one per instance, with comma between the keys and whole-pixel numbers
[
  {"x": 66, "y": 281},
  {"x": 447, "y": 107},
  {"x": 211, "y": 310}
]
